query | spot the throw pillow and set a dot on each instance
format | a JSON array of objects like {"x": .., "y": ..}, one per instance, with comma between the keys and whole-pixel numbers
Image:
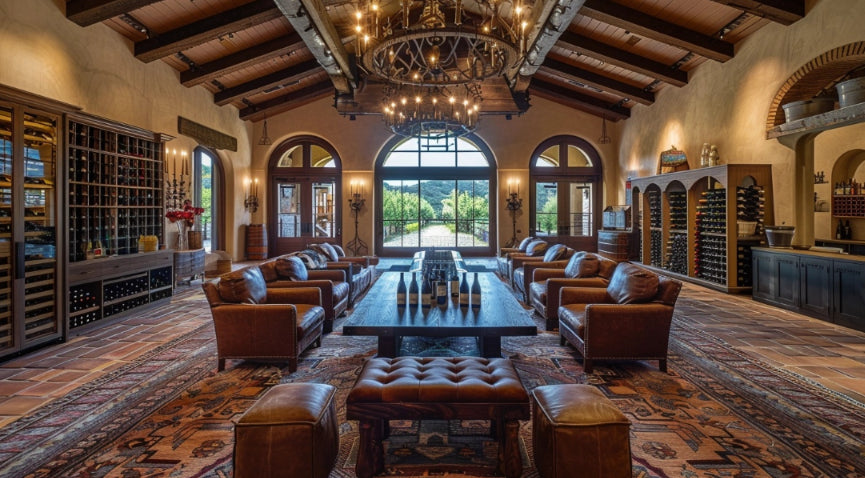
[
  {"x": 536, "y": 248},
  {"x": 292, "y": 267},
  {"x": 339, "y": 251},
  {"x": 243, "y": 286},
  {"x": 582, "y": 264},
  {"x": 632, "y": 284},
  {"x": 525, "y": 242},
  {"x": 327, "y": 250},
  {"x": 555, "y": 252}
]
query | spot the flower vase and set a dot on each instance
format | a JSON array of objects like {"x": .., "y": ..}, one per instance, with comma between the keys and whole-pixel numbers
[{"x": 182, "y": 237}]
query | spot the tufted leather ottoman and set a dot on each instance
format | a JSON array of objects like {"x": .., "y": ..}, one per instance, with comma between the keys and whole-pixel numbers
[
  {"x": 290, "y": 432},
  {"x": 437, "y": 388},
  {"x": 575, "y": 427}
]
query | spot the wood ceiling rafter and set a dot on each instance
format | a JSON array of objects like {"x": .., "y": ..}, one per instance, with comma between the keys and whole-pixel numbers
[
  {"x": 547, "y": 23},
  {"x": 309, "y": 18},
  {"x": 241, "y": 59},
  {"x": 287, "y": 102},
  {"x": 88, "y": 12},
  {"x": 580, "y": 101},
  {"x": 286, "y": 75},
  {"x": 206, "y": 29},
  {"x": 627, "y": 60},
  {"x": 785, "y": 12},
  {"x": 663, "y": 31},
  {"x": 600, "y": 81}
]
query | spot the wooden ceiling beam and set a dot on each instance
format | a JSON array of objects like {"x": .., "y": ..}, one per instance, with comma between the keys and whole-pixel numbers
[
  {"x": 547, "y": 23},
  {"x": 600, "y": 81},
  {"x": 241, "y": 59},
  {"x": 573, "y": 99},
  {"x": 292, "y": 100},
  {"x": 88, "y": 12},
  {"x": 310, "y": 19},
  {"x": 663, "y": 31},
  {"x": 204, "y": 30},
  {"x": 624, "y": 59},
  {"x": 785, "y": 12},
  {"x": 286, "y": 75}
]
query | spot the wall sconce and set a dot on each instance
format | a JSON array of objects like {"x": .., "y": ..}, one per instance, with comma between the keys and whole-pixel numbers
[
  {"x": 514, "y": 203},
  {"x": 251, "y": 201},
  {"x": 355, "y": 201}
]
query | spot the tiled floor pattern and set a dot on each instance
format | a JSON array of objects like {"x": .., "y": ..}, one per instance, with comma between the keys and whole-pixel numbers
[{"x": 830, "y": 355}]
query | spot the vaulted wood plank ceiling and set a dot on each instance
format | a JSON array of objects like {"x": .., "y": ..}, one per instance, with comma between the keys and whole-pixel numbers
[{"x": 269, "y": 56}]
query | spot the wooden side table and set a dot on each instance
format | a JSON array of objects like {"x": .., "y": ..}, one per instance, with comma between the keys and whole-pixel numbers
[{"x": 188, "y": 265}]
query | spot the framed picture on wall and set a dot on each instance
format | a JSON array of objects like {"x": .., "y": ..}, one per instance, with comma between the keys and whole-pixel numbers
[{"x": 672, "y": 160}]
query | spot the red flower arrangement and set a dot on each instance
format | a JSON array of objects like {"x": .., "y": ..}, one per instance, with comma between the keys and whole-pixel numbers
[{"x": 186, "y": 214}]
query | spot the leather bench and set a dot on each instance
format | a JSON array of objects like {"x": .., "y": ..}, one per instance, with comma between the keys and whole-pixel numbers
[
  {"x": 575, "y": 428},
  {"x": 437, "y": 388},
  {"x": 291, "y": 432}
]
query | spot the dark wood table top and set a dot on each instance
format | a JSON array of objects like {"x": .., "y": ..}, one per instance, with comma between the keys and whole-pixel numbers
[{"x": 499, "y": 314}]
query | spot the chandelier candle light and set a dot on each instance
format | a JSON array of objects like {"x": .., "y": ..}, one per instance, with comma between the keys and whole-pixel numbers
[
  {"x": 433, "y": 63},
  {"x": 251, "y": 200}
]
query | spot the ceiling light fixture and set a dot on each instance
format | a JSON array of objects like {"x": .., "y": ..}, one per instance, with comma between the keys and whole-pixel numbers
[
  {"x": 434, "y": 59},
  {"x": 605, "y": 138}
]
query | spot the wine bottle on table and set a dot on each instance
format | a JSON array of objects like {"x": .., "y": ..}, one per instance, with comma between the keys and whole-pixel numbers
[
  {"x": 476, "y": 292},
  {"x": 455, "y": 285},
  {"x": 441, "y": 289},
  {"x": 400, "y": 291},
  {"x": 412, "y": 291},
  {"x": 426, "y": 292},
  {"x": 464, "y": 291}
]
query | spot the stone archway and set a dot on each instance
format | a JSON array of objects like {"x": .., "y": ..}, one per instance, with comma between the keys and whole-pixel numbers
[{"x": 815, "y": 76}]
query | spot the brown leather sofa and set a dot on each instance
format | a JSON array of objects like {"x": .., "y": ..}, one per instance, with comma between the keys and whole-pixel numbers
[
  {"x": 289, "y": 271},
  {"x": 256, "y": 323},
  {"x": 583, "y": 269},
  {"x": 535, "y": 248},
  {"x": 629, "y": 320},
  {"x": 556, "y": 256},
  {"x": 360, "y": 271}
]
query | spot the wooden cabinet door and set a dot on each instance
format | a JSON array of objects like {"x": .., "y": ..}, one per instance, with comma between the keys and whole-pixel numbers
[
  {"x": 762, "y": 275},
  {"x": 815, "y": 276},
  {"x": 786, "y": 288},
  {"x": 849, "y": 294}
]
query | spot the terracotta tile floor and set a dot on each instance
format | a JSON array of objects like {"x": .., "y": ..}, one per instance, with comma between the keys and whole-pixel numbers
[{"x": 830, "y": 355}]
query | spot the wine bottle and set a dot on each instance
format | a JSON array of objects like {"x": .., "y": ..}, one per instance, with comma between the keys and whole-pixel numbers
[
  {"x": 441, "y": 289},
  {"x": 839, "y": 231},
  {"x": 464, "y": 291},
  {"x": 455, "y": 285},
  {"x": 426, "y": 292},
  {"x": 476, "y": 292},
  {"x": 412, "y": 291},
  {"x": 400, "y": 291}
]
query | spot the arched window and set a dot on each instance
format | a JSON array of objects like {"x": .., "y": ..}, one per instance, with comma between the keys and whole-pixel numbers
[
  {"x": 304, "y": 176},
  {"x": 435, "y": 192},
  {"x": 208, "y": 192},
  {"x": 565, "y": 192}
]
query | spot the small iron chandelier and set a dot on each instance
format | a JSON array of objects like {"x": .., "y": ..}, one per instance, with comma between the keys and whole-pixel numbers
[
  {"x": 433, "y": 60},
  {"x": 605, "y": 138},
  {"x": 265, "y": 139}
]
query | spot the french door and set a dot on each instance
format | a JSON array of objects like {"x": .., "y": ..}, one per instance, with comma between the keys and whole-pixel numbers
[{"x": 305, "y": 213}]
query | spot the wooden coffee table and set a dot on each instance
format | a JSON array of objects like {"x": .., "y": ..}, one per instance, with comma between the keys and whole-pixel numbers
[{"x": 499, "y": 315}]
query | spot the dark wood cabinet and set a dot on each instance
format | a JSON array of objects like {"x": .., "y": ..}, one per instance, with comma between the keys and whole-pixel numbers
[{"x": 821, "y": 285}]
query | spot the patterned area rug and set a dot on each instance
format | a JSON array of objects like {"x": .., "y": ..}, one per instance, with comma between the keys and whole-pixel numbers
[{"x": 716, "y": 414}]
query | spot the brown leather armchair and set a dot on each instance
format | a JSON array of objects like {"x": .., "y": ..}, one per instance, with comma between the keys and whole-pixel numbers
[
  {"x": 256, "y": 323},
  {"x": 504, "y": 252},
  {"x": 629, "y": 320},
  {"x": 359, "y": 271},
  {"x": 535, "y": 248},
  {"x": 289, "y": 271},
  {"x": 583, "y": 269},
  {"x": 556, "y": 256}
]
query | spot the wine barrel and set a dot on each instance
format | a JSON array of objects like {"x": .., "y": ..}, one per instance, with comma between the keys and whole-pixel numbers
[
  {"x": 256, "y": 242},
  {"x": 194, "y": 239}
]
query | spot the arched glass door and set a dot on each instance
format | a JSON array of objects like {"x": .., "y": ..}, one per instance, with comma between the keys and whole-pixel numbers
[
  {"x": 305, "y": 175},
  {"x": 566, "y": 192}
]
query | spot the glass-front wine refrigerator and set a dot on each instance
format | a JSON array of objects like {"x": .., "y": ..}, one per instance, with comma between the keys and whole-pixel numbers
[{"x": 29, "y": 312}]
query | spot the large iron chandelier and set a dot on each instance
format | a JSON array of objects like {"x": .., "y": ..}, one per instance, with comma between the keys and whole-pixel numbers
[{"x": 433, "y": 59}]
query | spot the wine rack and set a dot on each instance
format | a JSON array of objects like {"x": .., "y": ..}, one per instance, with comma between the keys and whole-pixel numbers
[
  {"x": 115, "y": 175},
  {"x": 125, "y": 283},
  {"x": 700, "y": 217},
  {"x": 848, "y": 205}
]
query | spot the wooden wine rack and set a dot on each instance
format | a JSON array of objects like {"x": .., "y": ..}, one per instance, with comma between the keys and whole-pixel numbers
[{"x": 716, "y": 255}]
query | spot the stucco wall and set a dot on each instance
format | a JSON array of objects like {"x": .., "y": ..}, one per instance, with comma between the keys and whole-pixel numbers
[
  {"x": 41, "y": 52},
  {"x": 727, "y": 104}
]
